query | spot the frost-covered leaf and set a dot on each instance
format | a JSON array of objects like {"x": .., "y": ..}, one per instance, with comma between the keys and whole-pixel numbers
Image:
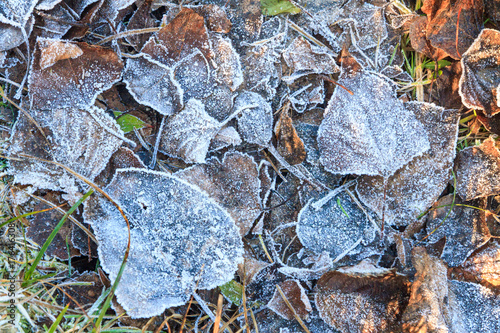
[
  {"x": 42, "y": 225},
  {"x": 247, "y": 22},
  {"x": 153, "y": 84},
  {"x": 289, "y": 145},
  {"x": 226, "y": 137},
  {"x": 295, "y": 295},
  {"x": 11, "y": 36},
  {"x": 187, "y": 134},
  {"x": 477, "y": 170},
  {"x": 141, "y": 19},
  {"x": 69, "y": 82},
  {"x": 79, "y": 139},
  {"x": 121, "y": 159},
  {"x": 362, "y": 303},
  {"x": 301, "y": 56},
  {"x": 305, "y": 91},
  {"x": 16, "y": 12},
  {"x": 180, "y": 239},
  {"x": 220, "y": 103},
  {"x": 480, "y": 81},
  {"x": 276, "y": 7},
  {"x": 233, "y": 183},
  {"x": 483, "y": 266},
  {"x": 453, "y": 25},
  {"x": 465, "y": 230},
  {"x": 337, "y": 226},
  {"x": 233, "y": 291},
  {"x": 370, "y": 132},
  {"x": 215, "y": 18},
  {"x": 256, "y": 121},
  {"x": 226, "y": 58},
  {"x": 417, "y": 185},
  {"x": 260, "y": 70},
  {"x": 419, "y": 42},
  {"x": 178, "y": 39},
  {"x": 321, "y": 264}
]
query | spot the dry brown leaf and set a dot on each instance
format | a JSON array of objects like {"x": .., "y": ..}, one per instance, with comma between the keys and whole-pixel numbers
[
  {"x": 80, "y": 291},
  {"x": 141, "y": 19},
  {"x": 296, "y": 296},
  {"x": 477, "y": 170},
  {"x": 362, "y": 303},
  {"x": 479, "y": 84},
  {"x": 215, "y": 18},
  {"x": 289, "y": 145},
  {"x": 71, "y": 83},
  {"x": 483, "y": 266},
  {"x": 419, "y": 41},
  {"x": 234, "y": 183}
]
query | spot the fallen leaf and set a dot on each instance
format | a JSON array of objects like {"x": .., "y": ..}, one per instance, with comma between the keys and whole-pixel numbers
[
  {"x": 465, "y": 230},
  {"x": 453, "y": 26},
  {"x": 180, "y": 240},
  {"x": 247, "y": 21},
  {"x": 233, "y": 183},
  {"x": 362, "y": 303},
  {"x": 296, "y": 296},
  {"x": 128, "y": 122},
  {"x": 417, "y": 185},
  {"x": 226, "y": 58},
  {"x": 480, "y": 80},
  {"x": 255, "y": 124},
  {"x": 187, "y": 134},
  {"x": 419, "y": 41},
  {"x": 482, "y": 266},
  {"x": 289, "y": 145},
  {"x": 215, "y": 18},
  {"x": 334, "y": 224},
  {"x": 276, "y": 7},
  {"x": 80, "y": 291},
  {"x": 477, "y": 170},
  {"x": 226, "y": 137},
  {"x": 141, "y": 19},
  {"x": 447, "y": 86},
  {"x": 70, "y": 82},
  {"x": 260, "y": 69},
  {"x": 121, "y": 159},
  {"x": 370, "y": 132}
]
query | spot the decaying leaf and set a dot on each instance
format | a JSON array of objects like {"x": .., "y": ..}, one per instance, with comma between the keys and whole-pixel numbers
[
  {"x": 295, "y": 295},
  {"x": 246, "y": 20},
  {"x": 477, "y": 170},
  {"x": 370, "y": 132},
  {"x": 417, "y": 185},
  {"x": 69, "y": 82},
  {"x": 447, "y": 85},
  {"x": 465, "y": 230},
  {"x": 453, "y": 25},
  {"x": 121, "y": 159},
  {"x": 480, "y": 80},
  {"x": 289, "y": 145},
  {"x": 180, "y": 239},
  {"x": 362, "y": 303},
  {"x": 483, "y": 266},
  {"x": 336, "y": 226},
  {"x": 79, "y": 139},
  {"x": 187, "y": 134},
  {"x": 233, "y": 183}
]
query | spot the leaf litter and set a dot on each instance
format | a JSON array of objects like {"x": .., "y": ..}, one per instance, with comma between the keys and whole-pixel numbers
[{"x": 255, "y": 118}]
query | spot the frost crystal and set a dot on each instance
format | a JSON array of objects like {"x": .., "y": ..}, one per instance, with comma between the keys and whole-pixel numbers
[
  {"x": 256, "y": 122},
  {"x": 77, "y": 140},
  {"x": 187, "y": 134},
  {"x": 370, "y": 132},
  {"x": 233, "y": 183},
  {"x": 179, "y": 237},
  {"x": 415, "y": 187},
  {"x": 337, "y": 227}
]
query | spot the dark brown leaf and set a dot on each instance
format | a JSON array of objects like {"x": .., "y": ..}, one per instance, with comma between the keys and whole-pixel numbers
[
  {"x": 215, "y": 18},
  {"x": 419, "y": 41},
  {"x": 447, "y": 87},
  {"x": 141, "y": 19},
  {"x": 296, "y": 296},
  {"x": 80, "y": 291},
  {"x": 289, "y": 145}
]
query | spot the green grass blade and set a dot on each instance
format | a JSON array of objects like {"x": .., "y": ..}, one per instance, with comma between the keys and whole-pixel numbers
[
  {"x": 52, "y": 235},
  {"x": 58, "y": 320}
]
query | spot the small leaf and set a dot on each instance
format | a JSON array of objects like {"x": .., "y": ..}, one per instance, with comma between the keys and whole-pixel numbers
[
  {"x": 275, "y": 7},
  {"x": 232, "y": 291},
  {"x": 128, "y": 122}
]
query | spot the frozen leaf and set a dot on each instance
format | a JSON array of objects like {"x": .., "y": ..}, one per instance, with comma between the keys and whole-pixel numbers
[
  {"x": 141, "y": 19},
  {"x": 305, "y": 91},
  {"x": 11, "y": 36},
  {"x": 187, "y": 134},
  {"x": 370, "y": 132},
  {"x": 483, "y": 266},
  {"x": 215, "y": 18},
  {"x": 153, "y": 84},
  {"x": 453, "y": 25},
  {"x": 128, "y": 122},
  {"x": 362, "y": 303},
  {"x": 289, "y": 145},
  {"x": 70, "y": 80},
  {"x": 233, "y": 183},
  {"x": 44, "y": 223},
  {"x": 477, "y": 170},
  {"x": 300, "y": 56},
  {"x": 296, "y": 296},
  {"x": 276, "y": 7},
  {"x": 47, "y": 4},
  {"x": 80, "y": 140},
  {"x": 226, "y": 137},
  {"x": 321, "y": 264},
  {"x": 247, "y": 21},
  {"x": 220, "y": 102},
  {"x": 419, "y": 41},
  {"x": 16, "y": 12},
  {"x": 480, "y": 81},
  {"x": 121, "y": 159},
  {"x": 260, "y": 70},
  {"x": 180, "y": 239},
  {"x": 178, "y": 39},
  {"x": 228, "y": 70},
  {"x": 427, "y": 307},
  {"x": 465, "y": 230},
  {"x": 194, "y": 77},
  {"x": 232, "y": 291},
  {"x": 417, "y": 185},
  {"x": 337, "y": 226},
  {"x": 256, "y": 122},
  {"x": 492, "y": 8},
  {"x": 263, "y": 285}
]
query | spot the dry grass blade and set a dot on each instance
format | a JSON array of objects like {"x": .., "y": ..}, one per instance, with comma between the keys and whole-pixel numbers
[
  {"x": 301, "y": 323},
  {"x": 128, "y": 33},
  {"x": 218, "y": 315}
]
